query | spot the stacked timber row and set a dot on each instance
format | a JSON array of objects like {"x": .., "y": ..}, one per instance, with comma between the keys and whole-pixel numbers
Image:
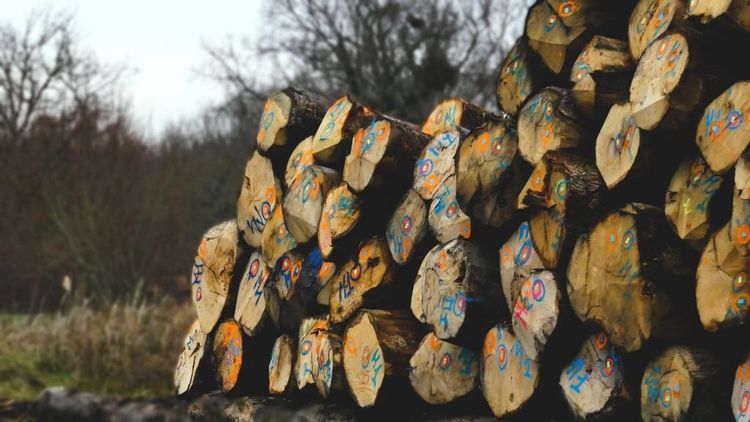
[{"x": 580, "y": 253}]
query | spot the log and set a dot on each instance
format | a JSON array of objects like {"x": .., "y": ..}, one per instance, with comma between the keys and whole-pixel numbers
[
  {"x": 520, "y": 75},
  {"x": 301, "y": 298},
  {"x": 485, "y": 166},
  {"x": 452, "y": 113},
  {"x": 593, "y": 383},
  {"x": 722, "y": 286},
  {"x": 190, "y": 362},
  {"x": 618, "y": 145},
  {"x": 446, "y": 219},
  {"x": 440, "y": 372},
  {"x": 554, "y": 39},
  {"x": 281, "y": 365},
  {"x": 548, "y": 121},
  {"x": 276, "y": 237},
  {"x": 228, "y": 354},
  {"x": 661, "y": 82},
  {"x": 212, "y": 272},
  {"x": 722, "y": 133},
  {"x": 341, "y": 121},
  {"x": 281, "y": 284},
  {"x": 650, "y": 20},
  {"x": 508, "y": 377},
  {"x": 303, "y": 202},
  {"x": 685, "y": 384},
  {"x": 300, "y": 159},
  {"x": 330, "y": 371},
  {"x": 741, "y": 392},
  {"x": 570, "y": 198},
  {"x": 458, "y": 290},
  {"x": 691, "y": 199},
  {"x": 290, "y": 115},
  {"x": 341, "y": 213},
  {"x": 258, "y": 197},
  {"x": 601, "y": 75},
  {"x": 739, "y": 224},
  {"x": 306, "y": 366},
  {"x": 407, "y": 227},
  {"x": 377, "y": 349},
  {"x": 535, "y": 312},
  {"x": 251, "y": 311},
  {"x": 436, "y": 163},
  {"x": 518, "y": 260},
  {"x": 382, "y": 154},
  {"x": 370, "y": 269},
  {"x": 630, "y": 275}
]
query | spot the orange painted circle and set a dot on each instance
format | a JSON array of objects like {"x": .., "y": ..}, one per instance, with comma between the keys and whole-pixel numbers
[{"x": 742, "y": 234}]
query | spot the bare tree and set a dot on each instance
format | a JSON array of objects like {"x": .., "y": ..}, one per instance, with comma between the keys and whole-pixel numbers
[
  {"x": 398, "y": 56},
  {"x": 43, "y": 70}
]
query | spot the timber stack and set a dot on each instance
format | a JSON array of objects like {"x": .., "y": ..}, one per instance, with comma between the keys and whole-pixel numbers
[{"x": 581, "y": 252}]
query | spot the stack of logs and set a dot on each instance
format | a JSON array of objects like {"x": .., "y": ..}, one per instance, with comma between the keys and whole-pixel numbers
[{"x": 582, "y": 253}]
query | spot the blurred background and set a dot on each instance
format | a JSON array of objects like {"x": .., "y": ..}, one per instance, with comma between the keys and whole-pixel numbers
[{"x": 124, "y": 131}]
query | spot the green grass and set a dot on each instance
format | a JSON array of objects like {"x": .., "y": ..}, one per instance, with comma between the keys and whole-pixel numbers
[{"x": 127, "y": 349}]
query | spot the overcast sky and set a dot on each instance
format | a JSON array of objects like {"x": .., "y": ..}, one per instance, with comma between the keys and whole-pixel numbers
[{"x": 160, "y": 41}]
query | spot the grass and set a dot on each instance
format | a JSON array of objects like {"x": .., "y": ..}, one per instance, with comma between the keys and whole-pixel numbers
[{"x": 127, "y": 349}]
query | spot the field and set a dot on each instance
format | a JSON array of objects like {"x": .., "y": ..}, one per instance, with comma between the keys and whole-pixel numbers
[{"x": 126, "y": 349}]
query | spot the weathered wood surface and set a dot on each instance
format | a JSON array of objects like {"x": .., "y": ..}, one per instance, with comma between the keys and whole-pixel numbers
[
  {"x": 303, "y": 202},
  {"x": 441, "y": 372},
  {"x": 739, "y": 224},
  {"x": 508, "y": 377},
  {"x": 593, "y": 383},
  {"x": 518, "y": 260},
  {"x": 281, "y": 365},
  {"x": 445, "y": 217},
  {"x": 520, "y": 75},
  {"x": 453, "y": 113},
  {"x": 377, "y": 349},
  {"x": 191, "y": 359},
  {"x": 650, "y": 20},
  {"x": 341, "y": 121},
  {"x": 407, "y": 227},
  {"x": 548, "y": 121},
  {"x": 436, "y": 163},
  {"x": 536, "y": 311},
  {"x": 617, "y": 145},
  {"x": 276, "y": 237},
  {"x": 621, "y": 272},
  {"x": 340, "y": 214},
  {"x": 250, "y": 310},
  {"x": 722, "y": 287},
  {"x": 290, "y": 115},
  {"x": 258, "y": 197},
  {"x": 212, "y": 272},
  {"x": 723, "y": 134}
]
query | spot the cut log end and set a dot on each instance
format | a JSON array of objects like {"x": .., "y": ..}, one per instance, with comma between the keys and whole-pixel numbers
[
  {"x": 250, "y": 311},
  {"x": 364, "y": 363},
  {"x": 445, "y": 117},
  {"x": 190, "y": 359},
  {"x": 605, "y": 283},
  {"x": 368, "y": 147},
  {"x": 723, "y": 134},
  {"x": 370, "y": 268},
  {"x": 276, "y": 237},
  {"x": 536, "y": 311},
  {"x": 258, "y": 197},
  {"x": 331, "y": 129},
  {"x": 407, "y": 227},
  {"x": 436, "y": 163},
  {"x": 658, "y": 73},
  {"x": 617, "y": 145},
  {"x": 303, "y": 203},
  {"x": 688, "y": 200},
  {"x": 306, "y": 366},
  {"x": 329, "y": 374},
  {"x": 667, "y": 386},
  {"x": 212, "y": 272},
  {"x": 722, "y": 286},
  {"x": 649, "y": 21},
  {"x": 300, "y": 159},
  {"x": 227, "y": 353},
  {"x": 341, "y": 211},
  {"x": 273, "y": 120},
  {"x": 508, "y": 376},
  {"x": 445, "y": 217},
  {"x": 281, "y": 364},
  {"x": 515, "y": 82},
  {"x": 593, "y": 382},
  {"x": 739, "y": 224},
  {"x": 546, "y": 122},
  {"x": 550, "y": 34},
  {"x": 441, "y": 372}
]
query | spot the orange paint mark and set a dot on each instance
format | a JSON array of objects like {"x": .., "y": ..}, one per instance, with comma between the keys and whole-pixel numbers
[
  {"x": 406, "y": 245},
  {"x": 364, "y": 255},
  {"x": 326, "y": 271},
  {"x": 228, "y": 353},
  {"x": 351, "y": 345},
  {"x": 203, "y": 249},
  {"x": 505, "y": 254},
  {"x": 742, "y": 234},
  {"x": 566, "y": 9},
  {"x": 537, "y": 179},
  {"x": 612, "y": 243},
  {"x": 434, "y": 342},
  {"x": 548, "y": 134},
  {"x": 430, "y": 183},
  {"x": 482, "y": 143},
  {"x": 382, "y": 130},
  {"x": 743, "y": 372},
  {"x": 466, "y": 229},
  {"x": 489, "y": 342},
  {"x": 441, "y": 260},
  {"x": 270, "y": 194},
  {"x": 357, "y": 142},
  {"x": 601, "y": 340}
]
